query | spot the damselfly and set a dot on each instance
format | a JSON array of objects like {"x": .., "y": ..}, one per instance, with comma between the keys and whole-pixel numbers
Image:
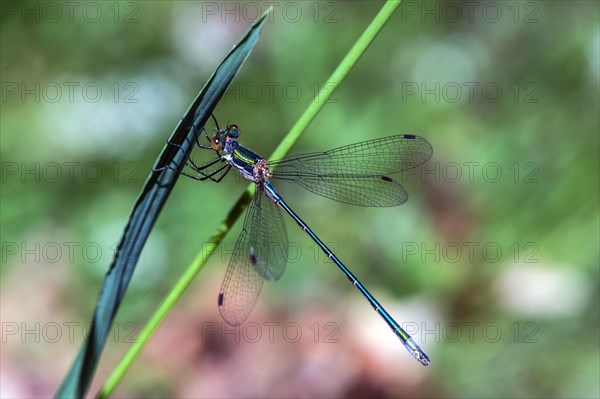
[{"x": 354, "y": 174}]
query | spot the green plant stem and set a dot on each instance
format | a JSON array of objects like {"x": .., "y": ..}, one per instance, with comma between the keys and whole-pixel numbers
[{"x": 236, "y": 211}]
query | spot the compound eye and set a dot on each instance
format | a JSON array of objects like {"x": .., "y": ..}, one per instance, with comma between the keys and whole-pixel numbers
[
  {"x": 233, "y": 131},
  {"x": 216, "y": 143}
]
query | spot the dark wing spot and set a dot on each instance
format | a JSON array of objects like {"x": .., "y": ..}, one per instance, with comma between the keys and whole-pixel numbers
[
  {"x": 385, "y": 178},
  {"x": 253, "y": 255},
  {"x": 410, "y": 136},
  {"x": 220, "y": 299}
]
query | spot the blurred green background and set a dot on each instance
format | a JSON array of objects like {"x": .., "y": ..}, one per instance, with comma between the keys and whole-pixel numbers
[{"x": 492, "y": 265}]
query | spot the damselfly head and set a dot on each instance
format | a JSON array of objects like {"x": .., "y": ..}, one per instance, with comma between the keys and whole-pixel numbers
[{"x": 219, "y": 140}]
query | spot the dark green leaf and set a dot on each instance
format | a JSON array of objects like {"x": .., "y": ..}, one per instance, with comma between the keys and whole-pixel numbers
[{"x": 146, "y": 210}]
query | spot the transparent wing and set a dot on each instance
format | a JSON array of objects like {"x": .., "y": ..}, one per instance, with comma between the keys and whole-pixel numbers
[
  {"x": 362, "y": 191},
  {"x": 355, "y": 174},
  {"x": 377, "y": 157},
  {"x": 268, "y": 239},
  {"x": 260, "y": 253},
  {"x": 242, "y": 282}
]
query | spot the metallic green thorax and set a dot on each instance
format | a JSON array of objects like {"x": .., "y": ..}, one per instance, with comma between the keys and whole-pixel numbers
[{"x": 245, "y": 160}]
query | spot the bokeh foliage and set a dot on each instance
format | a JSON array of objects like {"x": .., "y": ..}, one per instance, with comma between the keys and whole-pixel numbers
[{"x": 542, "y": 134}]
